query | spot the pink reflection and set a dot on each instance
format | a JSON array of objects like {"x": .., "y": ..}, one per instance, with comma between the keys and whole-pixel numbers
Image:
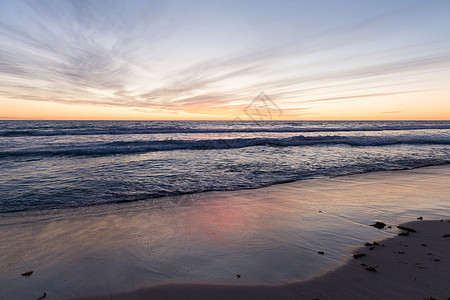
[{"x": 228, "y": 224}]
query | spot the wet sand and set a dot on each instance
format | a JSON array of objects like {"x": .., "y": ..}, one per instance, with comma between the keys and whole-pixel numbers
[
  {"x": 269, "y": 236},
  {"x": 405, "y": 267}
]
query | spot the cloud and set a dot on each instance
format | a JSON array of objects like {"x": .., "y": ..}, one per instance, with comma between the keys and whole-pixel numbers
[
  {"x": 351, "y": 97},
  {"x": 145, "y": 55}
]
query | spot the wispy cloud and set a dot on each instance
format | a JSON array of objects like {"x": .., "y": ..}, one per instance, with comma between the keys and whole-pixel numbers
[{"x": 159, "y": 56}]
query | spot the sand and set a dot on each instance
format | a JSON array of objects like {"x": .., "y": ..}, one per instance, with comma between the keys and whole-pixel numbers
[
  {"x": 194, "y": 246},
  {"x": 407, "y": 267}
]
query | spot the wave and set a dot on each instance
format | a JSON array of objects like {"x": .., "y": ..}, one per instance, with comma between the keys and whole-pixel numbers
[
  {"x": 141, "y": 146},
  {"x": 172, "y": 130},
  {"x": 146, "y": 196},
  {"x": 158, "y": 198}
]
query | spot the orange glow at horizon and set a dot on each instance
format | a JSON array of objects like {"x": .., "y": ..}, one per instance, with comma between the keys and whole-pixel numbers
[{"x": 45, "y": 110}]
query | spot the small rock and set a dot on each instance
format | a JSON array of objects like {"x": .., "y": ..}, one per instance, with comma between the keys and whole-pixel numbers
[
  {"x": 371, "y": 244},
  {"x": 401, "y": 252},
  {"x": 406, "y": 228},
  {"x": 423, "y": 244},
  {"x": 27, "y": 273},
  {"x": 356, "y": 256},
  {"x": 437, "y": 259},
  {"x": 419, "y": 218},
  {"x": 389, "y": 226},
  {"x": 371, "y": 248},
  {"x": 238, "y": 276},
  {"x": 403, "y": 233},
  {"x": 321, "y": 252},
  {"x": 370, "y": 268},
  {"x": 379, "y": 225},
  {"x": 42, "y": 297}
]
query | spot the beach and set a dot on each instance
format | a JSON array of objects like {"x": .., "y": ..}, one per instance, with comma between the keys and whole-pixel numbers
[
  {"x": 412, "y": 267},
  {"x": 224, "y": 150},
  {"x": 196, "y": 245}
]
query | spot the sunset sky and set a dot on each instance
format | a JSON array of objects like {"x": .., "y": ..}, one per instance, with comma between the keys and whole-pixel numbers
[{"x": 208, "y": 60}]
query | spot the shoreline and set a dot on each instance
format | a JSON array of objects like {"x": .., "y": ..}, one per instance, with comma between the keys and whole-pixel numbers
[
  {"x": 157, "y": 200},
  {"x": 161, "y": 199},
  {"x": 407, "y": 267}
]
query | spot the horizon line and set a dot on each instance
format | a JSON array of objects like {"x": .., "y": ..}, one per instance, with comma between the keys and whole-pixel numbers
[{"x": 230, "y": 120}]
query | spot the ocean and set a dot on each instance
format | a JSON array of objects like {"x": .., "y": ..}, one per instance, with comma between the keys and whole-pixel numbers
[{"x": 62, "y": 164}]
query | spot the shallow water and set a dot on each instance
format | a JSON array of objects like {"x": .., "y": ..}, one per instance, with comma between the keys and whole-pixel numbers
[{"x": 268, "y": 235}]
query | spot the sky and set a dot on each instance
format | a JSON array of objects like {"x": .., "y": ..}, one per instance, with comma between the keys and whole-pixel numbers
[{"x": 210, "y": 60}]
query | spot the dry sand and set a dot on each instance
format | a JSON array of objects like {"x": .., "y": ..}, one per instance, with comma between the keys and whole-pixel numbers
[{"x": 409, "y": 267}]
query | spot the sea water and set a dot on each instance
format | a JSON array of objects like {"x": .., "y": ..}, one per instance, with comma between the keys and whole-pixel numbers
[{"x": 60, "y": 164}]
